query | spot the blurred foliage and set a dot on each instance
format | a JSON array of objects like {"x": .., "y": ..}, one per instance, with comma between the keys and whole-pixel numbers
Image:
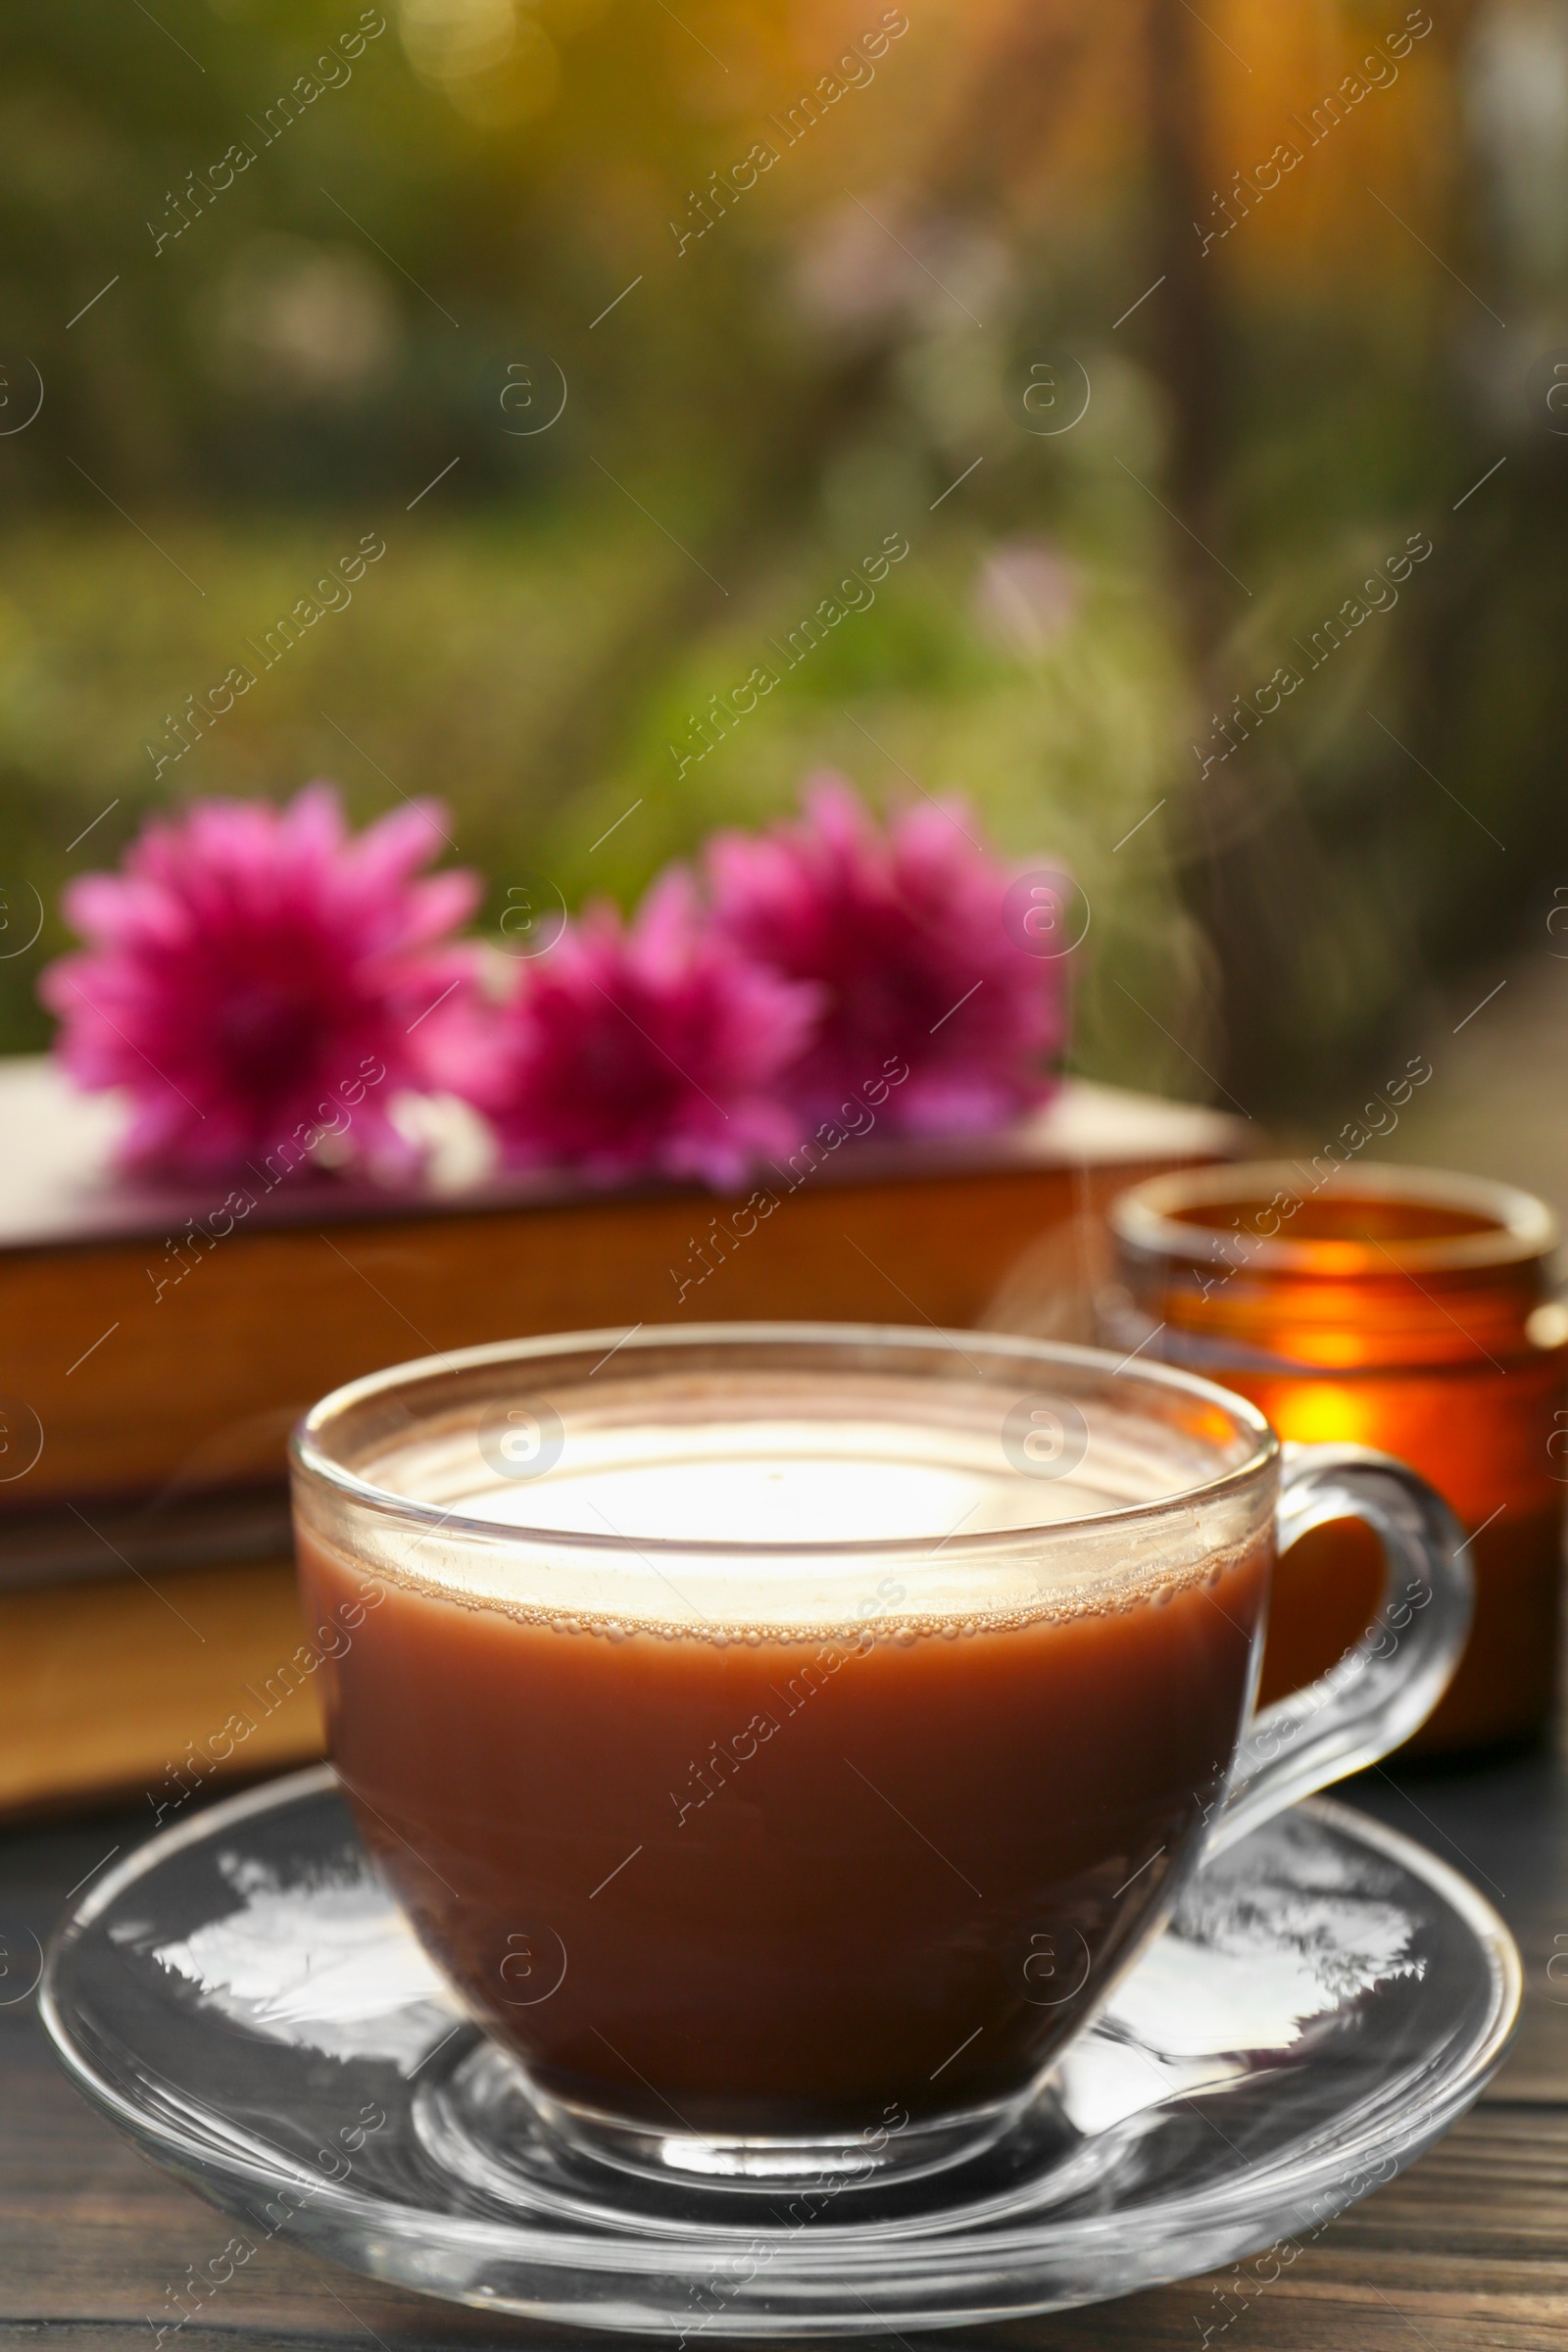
[{"x": 457, "y": 218}]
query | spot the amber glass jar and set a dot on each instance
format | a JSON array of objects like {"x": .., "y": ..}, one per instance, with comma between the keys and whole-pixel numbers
[{"x": 1392, "y": 1307}]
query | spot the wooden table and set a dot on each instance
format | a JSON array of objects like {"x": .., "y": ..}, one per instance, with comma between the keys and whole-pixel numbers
[{"x": 1467, "y": 2249}]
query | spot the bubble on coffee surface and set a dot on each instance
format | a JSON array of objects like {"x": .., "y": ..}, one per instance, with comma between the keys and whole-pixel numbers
[
  {"x": 660, "y": 1477},
  {"x": 831, "y": 1642}
]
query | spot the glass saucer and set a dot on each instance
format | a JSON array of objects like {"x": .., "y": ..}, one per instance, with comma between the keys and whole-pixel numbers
[{"x": 243, "y": 1997}]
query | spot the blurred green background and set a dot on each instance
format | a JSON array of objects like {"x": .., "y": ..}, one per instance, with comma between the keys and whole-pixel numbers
[{"x": 1033, "y": 286}]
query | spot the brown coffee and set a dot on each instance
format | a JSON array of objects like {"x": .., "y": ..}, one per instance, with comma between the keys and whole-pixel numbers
[{"x": 695, "y": 1872}]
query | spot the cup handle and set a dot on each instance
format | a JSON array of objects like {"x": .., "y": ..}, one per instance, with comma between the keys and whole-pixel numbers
[{"x": 1385, "y": 1687}]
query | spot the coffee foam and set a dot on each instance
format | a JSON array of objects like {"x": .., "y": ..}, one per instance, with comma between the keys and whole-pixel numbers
[
  {"x": 661, "y": 1476},
  {"x": 826, "y": 1639}
]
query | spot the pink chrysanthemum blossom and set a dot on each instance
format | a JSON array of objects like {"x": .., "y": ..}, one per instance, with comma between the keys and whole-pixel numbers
[
  {"x": 652, "y": 1047},
  {"x": 256, "y": 975},
  {"x": 930, "y": 952}
]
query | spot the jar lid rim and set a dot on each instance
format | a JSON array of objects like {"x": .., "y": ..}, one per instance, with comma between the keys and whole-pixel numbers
[{"x": 1520, "y": 1228}]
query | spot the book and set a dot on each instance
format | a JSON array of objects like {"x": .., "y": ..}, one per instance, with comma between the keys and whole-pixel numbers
[
  {"x": 124, "y": 1691},
  {"x": 159, "y": 1341}
]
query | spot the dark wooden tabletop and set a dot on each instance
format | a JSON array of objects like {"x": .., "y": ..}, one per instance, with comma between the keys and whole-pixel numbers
[{"x": 1467, "y": 2249}]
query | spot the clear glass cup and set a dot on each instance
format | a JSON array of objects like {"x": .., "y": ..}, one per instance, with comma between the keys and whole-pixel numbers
[{"x": 783, "y": 1737}]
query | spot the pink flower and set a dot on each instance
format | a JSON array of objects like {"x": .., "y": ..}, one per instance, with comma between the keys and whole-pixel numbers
[
  {"x": 255, "y": 974},
  {"x": 927, "y": 949},
  {"x": 652, "y": 1047}
]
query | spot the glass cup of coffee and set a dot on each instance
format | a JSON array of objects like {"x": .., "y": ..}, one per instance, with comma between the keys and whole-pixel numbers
[{"x": 782, "y": 1738}]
